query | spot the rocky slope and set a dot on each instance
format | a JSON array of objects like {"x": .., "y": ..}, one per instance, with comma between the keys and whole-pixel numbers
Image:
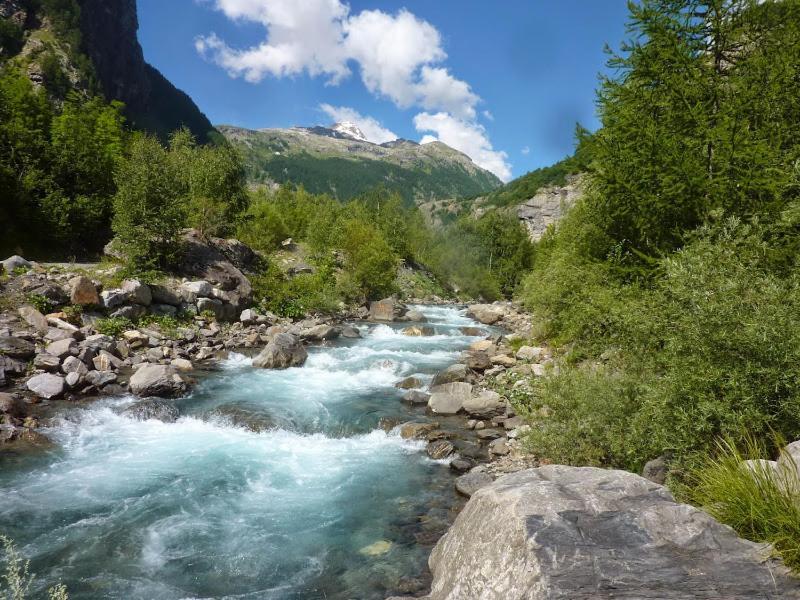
[
  {"x": 338, "y": 160},
  {"x": 105, "y": 33}
]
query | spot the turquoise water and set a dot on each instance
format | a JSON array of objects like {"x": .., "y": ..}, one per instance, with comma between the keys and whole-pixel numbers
[{"x": 272, "y": 484}]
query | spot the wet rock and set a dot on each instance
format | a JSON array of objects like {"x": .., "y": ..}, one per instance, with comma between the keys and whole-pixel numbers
[
  {"x": 386, "y": 310},
  {"x": 449, "y": 398},
  {"x": 182, "y": 364},
  {"x": 83, "y": 292},
  {"x": 157, "y": 380},
  {"x": 14, "y": 347},
  {"x": 415, "y": 430},
  {"x": 485, "y": 313},
  {"x": 439, "y": 449},
  {"x": 409, "y": 383},
  {"x": 416, "y": 398},
  {"x": 461, "y": 465},
  {"x": 153, "y": 408},
  {"x": 453, "y": 373},
  {"x": 320, "y": 333},
  {"x": 46, "y": 385},
  {"x": 100, "y": 379},
  {"x": 350, "y": 332},
  {"x": 580, "y": 533},
  {"x": 237, "y": 416},
  {"x": 34, "y": 318},
  {"x": 468, "y": 484},
  {"x": 12, "y": 405},
  {"x": 416, "y": 316},
  {"x": 471, "y": 331},
  {"x": 284, "y": 351}
]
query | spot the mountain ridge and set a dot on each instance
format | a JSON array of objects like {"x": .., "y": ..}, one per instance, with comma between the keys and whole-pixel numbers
[{"x": 339, "y": 160}]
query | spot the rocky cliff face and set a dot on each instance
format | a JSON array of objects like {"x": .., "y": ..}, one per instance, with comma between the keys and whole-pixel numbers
[
  {"x": 153, "y": 104},
  {"x": 585, "y": 533},
  {"x": 549, "y": 205}
]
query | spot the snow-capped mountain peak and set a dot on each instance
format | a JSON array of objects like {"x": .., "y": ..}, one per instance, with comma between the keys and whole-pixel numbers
[{"x": 350, "y": 129}]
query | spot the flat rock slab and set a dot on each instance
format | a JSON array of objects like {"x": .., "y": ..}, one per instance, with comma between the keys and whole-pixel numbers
[
  {"x": 471, "y": 482},
  {"x": 582, "y": 533}
]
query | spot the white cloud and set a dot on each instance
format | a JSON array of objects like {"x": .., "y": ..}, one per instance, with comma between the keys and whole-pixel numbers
[
  {"x": 468, "y": 137},
  {"x": 526, "y": 150},
  {"x": 488, "y": 115},
  {"x": 301, "y": 36},
  {"x": 398, "y": 56},
  {"x": 370, "y": 127}
]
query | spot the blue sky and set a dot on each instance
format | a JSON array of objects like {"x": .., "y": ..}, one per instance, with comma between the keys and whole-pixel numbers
[{"x": 505, "y": 82}]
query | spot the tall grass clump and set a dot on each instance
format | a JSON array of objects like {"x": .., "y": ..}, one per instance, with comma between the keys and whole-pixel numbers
[{"x": 760, "y": 502}]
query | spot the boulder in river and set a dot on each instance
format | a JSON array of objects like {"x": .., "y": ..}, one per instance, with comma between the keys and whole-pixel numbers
[
  {"x": 387, "y": 310},
  {"x": 571, "y": 533},
  {"x": 46, "y": 385},
  {"x": 488, "y": 314},
  {"x": 153, "y": 408},
  {"x": 453, "y": 373},
  {"x": 284, "y": 351},
  {"x": 449, "y": 398},
  {"x": 157, "y": 380}
]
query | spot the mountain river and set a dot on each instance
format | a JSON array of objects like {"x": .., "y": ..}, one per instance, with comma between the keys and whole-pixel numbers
[{"x": 282, "y": 485}]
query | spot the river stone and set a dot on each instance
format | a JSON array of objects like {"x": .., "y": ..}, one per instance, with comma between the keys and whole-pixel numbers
[
  {"x": 453, "y": 373},
  {"x": 153, "y": 408},
  {"x": 449, "y": 398},
  {"x": 62, "y": 348},
  {"x": 416, "y": 398},
  {"x": 471, "y": 331},
  {"x": 182, "y": 364},
  {"x": 46, "y": 385},
  {"x": 461, "y": 464},
  {"x": 470, "y": 483},
  {"x": 14, "y": 347},
  {"x": 350, "y": 332},
  {"x": 382, "y": 310},
  {"x": 409, "y": 383},
  {"x": 485, "y": 313},
  {"x": 580, "y": 533},
  {"x": 439, "y": 449},
  {"x": 478, "y": 361},
  {"x": 34, "y": 318},
  {"x": 284, "y": 351},
  {"x": 100, "y": 378},
  {"x": 416, "y": 316},
  {"x": 73, "y": 380},
  {"x": 414, "y": 429},
  {"x": 484, "y": 404},
  {"x": 320, "y": 333},
  {"x": 83, "y": 292},
  {"x": 12, "y": 405},
  {"x": 157, "y": 380}
]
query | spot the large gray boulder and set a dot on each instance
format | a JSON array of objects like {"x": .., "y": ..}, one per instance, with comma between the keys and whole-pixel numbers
[
  {"x": 15, "y": 262},
  {"x": 449, "y": 398},
  {"x": 46, "y": 385},
  {"x": 157, "y": 380},
  {"x": 583, "y": 533},
  {"x": 488, "y": 314},
  {"x": 153, "y": 408},
  {"x": 284, "y": 351},
  {"x": 453, "y": 373}
]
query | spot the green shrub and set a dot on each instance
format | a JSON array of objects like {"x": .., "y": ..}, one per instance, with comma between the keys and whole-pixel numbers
[
  {"x": 40, "y": 303},
  {"x": 760, "y": 503},
  {"x": 113, "y": 326},
  {"x": 17, "y": 577}
]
